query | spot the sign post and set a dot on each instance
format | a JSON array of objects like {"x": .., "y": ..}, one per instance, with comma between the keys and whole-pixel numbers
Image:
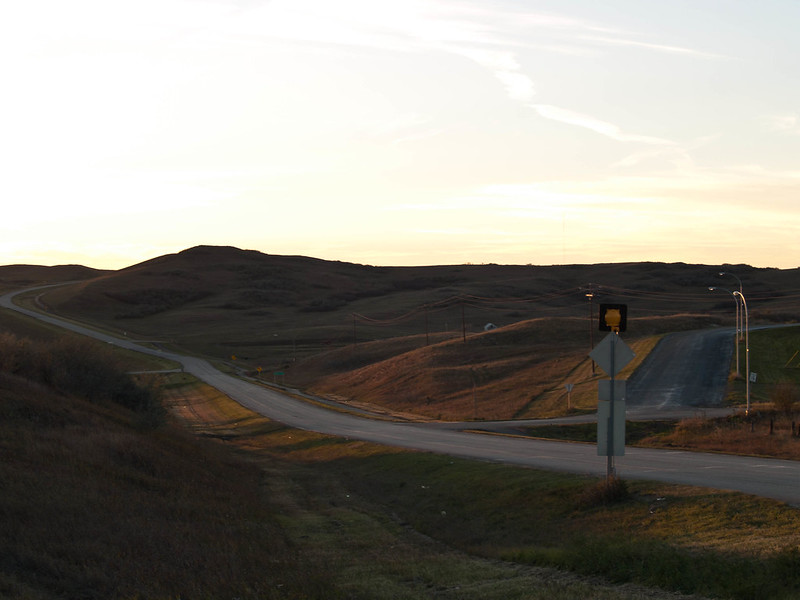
[
  {"x": 611, "y": 418},
  {"x": 612, "y": 355}
]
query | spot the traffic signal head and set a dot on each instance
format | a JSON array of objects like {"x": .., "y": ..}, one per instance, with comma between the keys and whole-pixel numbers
[{"x": 613, "y": 317}]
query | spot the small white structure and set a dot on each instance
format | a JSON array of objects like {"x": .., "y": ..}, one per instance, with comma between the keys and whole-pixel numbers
[{"x": 489, "y": 327}]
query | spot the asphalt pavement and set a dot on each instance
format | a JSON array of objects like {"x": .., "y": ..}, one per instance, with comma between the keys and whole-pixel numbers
[{"x": 686, "y": 369}]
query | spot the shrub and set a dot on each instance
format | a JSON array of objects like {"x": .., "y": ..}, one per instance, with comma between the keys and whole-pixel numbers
[
  {"x": 80, "y": 368},
  {"x": 609, "y": 491},
  {"x": 324, "y": 304},
  {"x": 784, "y": 396},
  {"x": 152, "y": 301}
]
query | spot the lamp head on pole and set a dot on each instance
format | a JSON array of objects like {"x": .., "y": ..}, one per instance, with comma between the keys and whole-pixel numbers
[{"x": 722, "y": 289}]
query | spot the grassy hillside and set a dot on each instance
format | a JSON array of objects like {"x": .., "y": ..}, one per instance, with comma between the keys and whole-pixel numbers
[
  {"x": 17, "y": 276},
  {"x": 93, "y": 507},
  {"x": 510, "y": 372},
  {"x": 412, "y": 338},
  {"x": 269, "y": 310}
]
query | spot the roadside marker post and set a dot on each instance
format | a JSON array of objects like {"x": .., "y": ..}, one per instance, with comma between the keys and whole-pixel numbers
[{"x": 569, "y": 387}]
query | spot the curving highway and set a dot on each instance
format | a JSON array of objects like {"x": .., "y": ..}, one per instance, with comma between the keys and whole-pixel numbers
[{"x": 773, "y": 478}]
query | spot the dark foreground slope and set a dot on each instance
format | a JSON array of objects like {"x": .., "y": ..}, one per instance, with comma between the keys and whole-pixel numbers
[{"x": 93, "y": 506}]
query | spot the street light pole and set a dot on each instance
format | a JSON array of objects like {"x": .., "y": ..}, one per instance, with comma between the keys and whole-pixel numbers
[
  {"x": 736, "y": 336},
  {"x": 738, "y": 295},
  {"x": 590, "y": 296},
  {"x": 738, "y": 310},
  {"x": 746, "y": 348}
]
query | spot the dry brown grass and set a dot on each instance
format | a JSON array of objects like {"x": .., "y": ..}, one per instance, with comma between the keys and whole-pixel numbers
[
  {"x": 361, "y": 332},
  {"x": 583, "y": 398},
  {"x": 518, "y": 371},
  {"x": 492, "y": 375},
  {"x": 765, "y": 433},
  {"x": 21, "y": 276},
  {"x": 270, "y": 310},
  {"x": 94, "y": 508}
]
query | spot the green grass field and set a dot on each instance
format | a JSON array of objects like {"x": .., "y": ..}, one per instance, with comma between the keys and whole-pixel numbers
[{"x": 774, "y": 355}]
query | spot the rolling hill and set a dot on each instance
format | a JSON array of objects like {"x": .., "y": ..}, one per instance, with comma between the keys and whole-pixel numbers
[{"x": 410, "y": 338}]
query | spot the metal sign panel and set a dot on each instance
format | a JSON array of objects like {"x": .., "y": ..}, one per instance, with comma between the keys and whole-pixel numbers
[
  {"x": 612, "y": 354},
  {"x": 604, "y": 423},
  {"x": 605, "y": 390}
]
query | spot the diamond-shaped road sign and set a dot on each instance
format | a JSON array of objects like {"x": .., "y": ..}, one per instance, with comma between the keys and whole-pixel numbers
[{"x": 612, "y": 354}]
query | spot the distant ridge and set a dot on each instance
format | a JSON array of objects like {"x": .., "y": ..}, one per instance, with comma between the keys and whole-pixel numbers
[
  {"x": 209, "y": 279},
  {"x": 34, "y": 274}
]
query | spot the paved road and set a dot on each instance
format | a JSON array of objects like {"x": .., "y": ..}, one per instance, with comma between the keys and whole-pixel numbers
[
  {"x": 779, "y": 479},
  {"x": 685, "y": 369},
  {"x": 684, "y": 376}
]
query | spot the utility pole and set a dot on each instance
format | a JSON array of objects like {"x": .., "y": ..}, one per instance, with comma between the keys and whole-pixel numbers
[
  {"x": 463, "y": 324},
  {"x": 590, "y": 296}
]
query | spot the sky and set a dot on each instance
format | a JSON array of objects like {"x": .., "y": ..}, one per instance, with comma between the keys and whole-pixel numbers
[{"x": 419, "y": 132}]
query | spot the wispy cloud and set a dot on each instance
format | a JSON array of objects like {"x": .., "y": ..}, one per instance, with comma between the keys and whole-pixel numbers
[
  {"x": 491, "y": 37},
  {"x": 605, "y": 128},
  {"x": 627, "y": 41},
  {"x": 503, "y": 64},
  {"x": 786, "y": 123}
]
